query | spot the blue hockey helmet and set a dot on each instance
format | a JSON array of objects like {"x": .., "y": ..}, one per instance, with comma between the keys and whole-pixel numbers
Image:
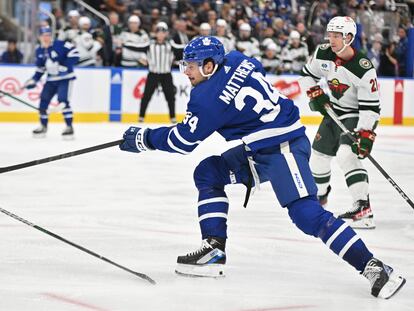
[
  {"x": 45, "y": 30},
  {"x": 202, "y": 48}
]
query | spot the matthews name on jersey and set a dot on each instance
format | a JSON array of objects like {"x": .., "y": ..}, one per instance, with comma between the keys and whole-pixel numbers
[
  {"x": 238, "y": 103},
  {"x": 57, "y": 61},
  {"x": 353, "y": 84}
]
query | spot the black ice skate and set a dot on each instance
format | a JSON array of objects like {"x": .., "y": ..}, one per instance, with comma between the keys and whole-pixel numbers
[
  {"x": 360, "y": 217},
  {"x": 384, "y": 283},
  {"x": 40, "y": 132},
  {"x": 323, "y": 199},
  {"x": 207, "y": 261},
  {"x": 68, "y": 133}
]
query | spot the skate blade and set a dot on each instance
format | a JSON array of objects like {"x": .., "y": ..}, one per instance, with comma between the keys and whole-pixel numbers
[
  {"x": 364, "y": 223},
  {"x": 209, "y": 270},
  {"x": 392, "y": 287}
]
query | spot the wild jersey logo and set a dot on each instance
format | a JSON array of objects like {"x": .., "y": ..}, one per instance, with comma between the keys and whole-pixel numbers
[
  {"x": 365, "y": 63},
  {"x": 324, "y": 46},
  {"x": 337, "y": 88}
]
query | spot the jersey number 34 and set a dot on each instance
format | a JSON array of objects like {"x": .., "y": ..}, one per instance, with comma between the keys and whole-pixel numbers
[{"x": 261, "y": 103}]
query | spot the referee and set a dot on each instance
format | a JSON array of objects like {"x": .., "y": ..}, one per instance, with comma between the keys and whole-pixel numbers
[{"x": 160, "y": 55}]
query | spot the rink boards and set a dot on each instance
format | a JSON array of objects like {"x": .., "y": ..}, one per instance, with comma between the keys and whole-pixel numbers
[{"x": 114, "y": 94}]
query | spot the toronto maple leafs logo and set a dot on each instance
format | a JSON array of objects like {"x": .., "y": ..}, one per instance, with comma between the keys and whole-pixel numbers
[
  {"x": 337, "y": 88},
  {"x": 206, "y": 41}
]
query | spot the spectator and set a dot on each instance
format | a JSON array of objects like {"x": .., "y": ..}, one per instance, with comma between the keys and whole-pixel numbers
[
  {"x": 295, "y": 54},
  {"x": 374, "y": 53},
  {"x": 179, "y": 37},
  {"x": 401, "y": 51},
  {"x": 71, "y": 31},
  {"x": 114, "y": 25},
  {"x": 88, "y": 49},
  {"x": 224, "y": 36},
  {"x": 131, "y": 40},
  {"x": 246, "y": 43},
  {"x": 268, "y": 35},
  {"x": 180, "y": 32},
  {"x": 12, "y": 55},
  {"x": 60, "y": 18},
  {"x": 306, "y": 37},
  {"x": 192, "y": 20},
  {"x": 388, "y": 61},
  {"x": 202, "y": 12},
  {"x": 270, "y": 59},
  {"x": 117, "y": 6},
  {"x": 205, "y": 29}
]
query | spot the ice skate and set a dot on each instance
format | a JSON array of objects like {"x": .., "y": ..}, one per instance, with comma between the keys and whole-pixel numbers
[
  {"x": 323, "y": 199},
  {"x": 40, "y": 132},
  {"x": 68, "y": 133},
  {"x": 384, "y": 283},
  {"x": 360, "y": 217},
  {"x": 207, "y": 261}
]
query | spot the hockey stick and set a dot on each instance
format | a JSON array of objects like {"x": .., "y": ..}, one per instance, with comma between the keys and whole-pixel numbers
[
  {"x": 60, "y": 156},
  {"x": 18, "y": 99},
  {"x": 140, "y": 275},
  {"x": 334, "y": 117}
]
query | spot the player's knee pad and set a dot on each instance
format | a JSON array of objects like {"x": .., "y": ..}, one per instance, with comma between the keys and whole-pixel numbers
[
  {"x": 308, "y": 215},
  {"x": 320, "y": 163},
  {"x": 347, "y": 160},
  {"x": 208, "y": 173}
]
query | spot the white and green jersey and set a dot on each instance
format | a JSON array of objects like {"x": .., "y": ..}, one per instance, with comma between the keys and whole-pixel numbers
[{"x": 353, "y": 84}]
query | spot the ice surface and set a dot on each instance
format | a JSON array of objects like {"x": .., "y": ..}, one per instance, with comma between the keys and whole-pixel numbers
[{"x": 140, "y": 211}]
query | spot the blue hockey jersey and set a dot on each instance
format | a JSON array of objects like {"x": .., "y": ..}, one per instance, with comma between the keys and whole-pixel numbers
[
  {"x": 238, "y": 103},
  {"x": 57, "y": 61}
]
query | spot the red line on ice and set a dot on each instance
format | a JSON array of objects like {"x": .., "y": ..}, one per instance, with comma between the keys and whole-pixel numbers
[{"x": 73, "y": 302}]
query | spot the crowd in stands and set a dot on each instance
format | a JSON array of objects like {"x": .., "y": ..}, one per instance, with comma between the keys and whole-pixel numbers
[{"x": 282, "y": 34}]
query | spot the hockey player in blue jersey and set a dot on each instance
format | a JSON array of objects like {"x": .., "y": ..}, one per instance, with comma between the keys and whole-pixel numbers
[
  {"x": 231, "y": 96},
  {"x": 56, "y": 58}
]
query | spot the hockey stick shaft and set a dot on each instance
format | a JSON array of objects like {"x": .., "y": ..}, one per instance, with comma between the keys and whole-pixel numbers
[
  {"x": 59, "y": 156},
  {"x": 83, "y": 249},
  {"x": 18, "y": 99},
  {"x": 334, "y": 117}
]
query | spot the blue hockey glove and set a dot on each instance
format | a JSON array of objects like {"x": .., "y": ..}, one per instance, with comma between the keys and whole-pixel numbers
[
  {"x": 363, "y": 145},
  {"x": 29, "y": 84},
  {"x": 135, "y": 140},
  {"x": 317, "y": 99}
]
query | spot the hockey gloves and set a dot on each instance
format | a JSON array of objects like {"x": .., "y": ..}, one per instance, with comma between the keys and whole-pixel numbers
[
  {"x": 29, "y": 84},
  {"x": 363, "y": 144},
  {"x": 318, "y": 99},
  {"x": 135, "y": 140}
]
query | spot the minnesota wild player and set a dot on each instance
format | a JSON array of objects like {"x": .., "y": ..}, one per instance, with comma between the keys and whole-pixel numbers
[{"x": 354, "y": 97}]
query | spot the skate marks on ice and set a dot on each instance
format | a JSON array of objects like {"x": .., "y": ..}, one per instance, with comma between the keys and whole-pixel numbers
[{"x": 141, "y": 210}]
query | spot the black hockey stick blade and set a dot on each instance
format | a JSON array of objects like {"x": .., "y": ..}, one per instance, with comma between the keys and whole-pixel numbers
[
  {"x": 18, "y": 99},
  {"x": 334, "y": 117},
  {"x": 83, "y": 249},
  {"x": 60, "y": 156}
]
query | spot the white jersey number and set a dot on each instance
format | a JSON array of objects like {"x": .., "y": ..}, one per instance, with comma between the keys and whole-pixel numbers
[{"x": 261, "y": 103}]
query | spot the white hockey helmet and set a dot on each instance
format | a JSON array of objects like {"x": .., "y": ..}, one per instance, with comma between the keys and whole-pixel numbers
[
  {"x": 134, "y": 19},
  {"x": 294, "y": 35},
  {"x": 84, "y": 20},
  {"x": 245, "y": 27},
  {"x": 342, "y": 24}
]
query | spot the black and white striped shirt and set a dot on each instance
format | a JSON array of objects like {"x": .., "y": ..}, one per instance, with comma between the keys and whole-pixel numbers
[{"x": 160, "y": 56}]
